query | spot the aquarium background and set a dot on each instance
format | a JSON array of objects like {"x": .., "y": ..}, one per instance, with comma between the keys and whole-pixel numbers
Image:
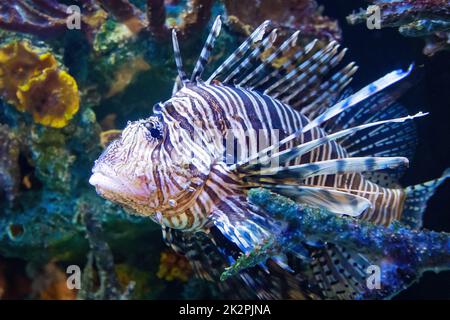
[{"x": 56, "y": 219}]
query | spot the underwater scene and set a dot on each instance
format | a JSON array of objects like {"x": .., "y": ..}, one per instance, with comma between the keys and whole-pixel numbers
[{"x": 224, "y": 149}]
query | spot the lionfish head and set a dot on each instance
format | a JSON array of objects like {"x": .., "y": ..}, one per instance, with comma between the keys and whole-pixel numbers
[
  {"x": 144, "y": 173},
  {"x": 128, "y": 171}
]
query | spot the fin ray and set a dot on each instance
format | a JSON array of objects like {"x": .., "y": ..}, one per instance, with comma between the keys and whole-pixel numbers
[
  {"x": 330, "y": 199},
  {"x": 207, "y": 49}
]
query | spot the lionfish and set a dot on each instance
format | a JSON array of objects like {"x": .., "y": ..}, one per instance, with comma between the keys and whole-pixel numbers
[{"x": 293, "y": 127}]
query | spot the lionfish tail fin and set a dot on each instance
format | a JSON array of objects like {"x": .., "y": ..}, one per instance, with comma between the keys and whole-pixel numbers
[{"x": 417, "y": 197}]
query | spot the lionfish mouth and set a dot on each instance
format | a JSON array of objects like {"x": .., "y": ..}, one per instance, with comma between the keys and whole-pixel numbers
[
  {"x": 102, "y": 183},
  {"x": 114, "y": 187}
]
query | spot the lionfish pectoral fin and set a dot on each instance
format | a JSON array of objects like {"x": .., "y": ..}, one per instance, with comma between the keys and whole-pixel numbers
[
  {"x": 209, "y": 254},
  {"x": 240, "y": 223},
  {"x": 417, "y": 197},
  {"x": 283, "y": 262},
  {"x": 395, "y": 139},
  {"x": 366, "y": 92},
  {"x": 342, "y": 274},
  {"x": 336, "y": 166},
  {"x": 332, "y": 200},
  {"x": 263, "y": 158}
]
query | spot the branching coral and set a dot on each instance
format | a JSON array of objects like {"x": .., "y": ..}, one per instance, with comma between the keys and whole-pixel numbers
[
  {"x": 401, "y": 250},
  {"x": 428, "y": 19},
  {"x": 37, "y": 17},
  {"x": 33, "y": 83},
  {"x": 110, "y": 287}
]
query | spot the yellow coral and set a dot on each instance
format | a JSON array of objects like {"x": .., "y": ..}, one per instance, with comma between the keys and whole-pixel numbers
[
  {"x": 173, "y": 266},
  {"x": 51, "y": 97},
  {"x": 33, "y": 83},
  {"x": 18, "y": 64}
]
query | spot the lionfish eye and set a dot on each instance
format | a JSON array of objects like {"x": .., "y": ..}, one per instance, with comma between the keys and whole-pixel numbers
[
  {"x": 154, "y": 128},
  {"x": 156, "y": 133}
]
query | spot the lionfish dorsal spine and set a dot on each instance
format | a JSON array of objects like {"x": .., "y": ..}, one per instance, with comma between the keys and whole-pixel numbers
[
  {"x": 178, "y": 59},
  {"x": 207, "y": 49},
  {"x": 254, "y": 38},
  {"x": 302, "y": 70},
  {"x": 247, "y": 64},
  {"x": 287, "y": 155},
  {"x": 280, "y": 52},
  {"x": 345, "y": 104}
]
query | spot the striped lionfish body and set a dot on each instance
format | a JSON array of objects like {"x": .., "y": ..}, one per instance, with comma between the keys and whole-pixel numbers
[{"x": 273, "y": 115}]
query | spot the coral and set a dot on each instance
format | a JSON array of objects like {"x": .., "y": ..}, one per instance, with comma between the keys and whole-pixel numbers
[
  {"x": 126, "y": 13},
  {"x": 47, "y": 18},
  {"x": 110, "y": 287},
  {"x": 174, "y": 267},
  {"x": 51, "y": 160},
  {"x": 119, "y": 58},
  {"x": 32, "y": 82},
  {"x": 401, "y": 249},
  {"x": 9, "y": 163},
  {"x": 428, "y": 19},
  {"x": 19, "y": 62},
  {"x": 303, "y": 15},
  {"x": 52, "y": 98}
]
